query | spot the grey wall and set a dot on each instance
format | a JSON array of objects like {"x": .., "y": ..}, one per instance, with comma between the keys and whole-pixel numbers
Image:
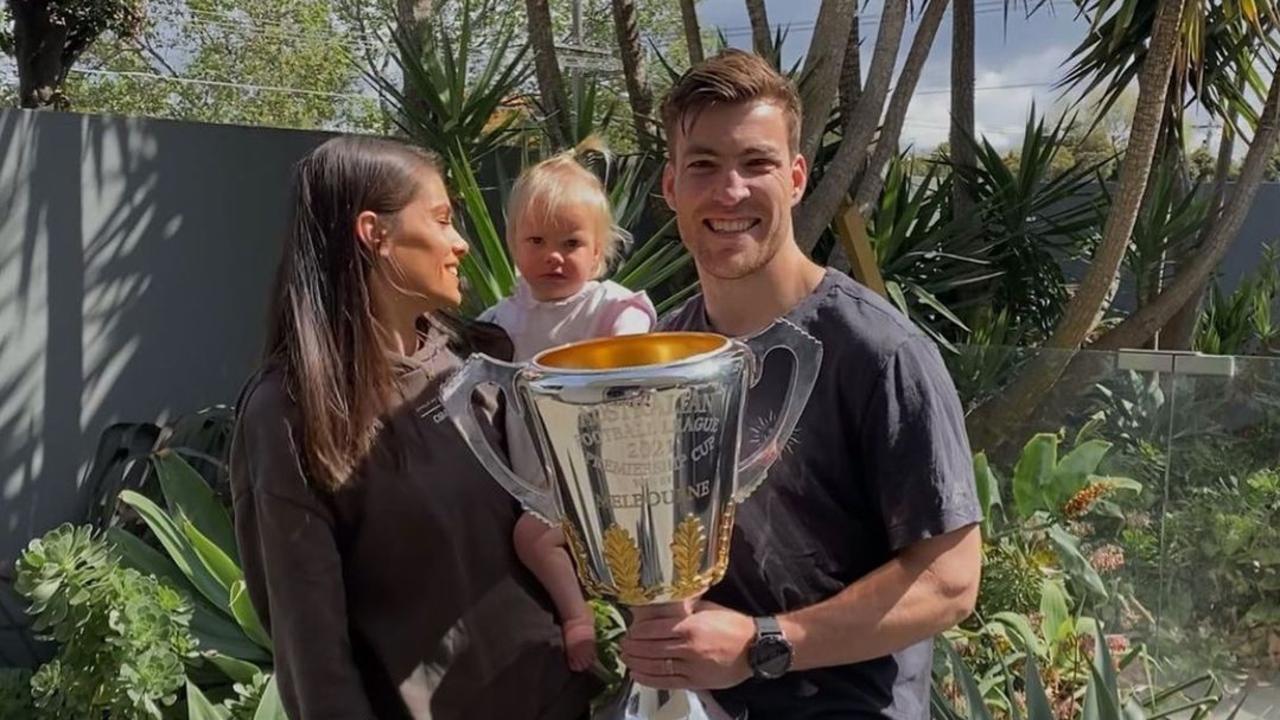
[{"x": 134, "y": 262}]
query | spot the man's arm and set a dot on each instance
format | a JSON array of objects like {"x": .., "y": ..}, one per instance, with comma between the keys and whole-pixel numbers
[{"x": 928, "y": 587}]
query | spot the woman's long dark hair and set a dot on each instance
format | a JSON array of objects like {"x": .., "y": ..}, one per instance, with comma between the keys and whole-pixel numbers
[{"x": 322, "y": 327}]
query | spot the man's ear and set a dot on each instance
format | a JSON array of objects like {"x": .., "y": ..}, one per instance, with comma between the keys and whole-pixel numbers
[
  {"x": 370, "y": 233},
  {"x": 669, "y": 184},
  {"x": 799, "y": 178}
]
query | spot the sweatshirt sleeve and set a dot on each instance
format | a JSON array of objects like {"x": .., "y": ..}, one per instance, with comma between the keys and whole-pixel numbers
[{"x": 291, "y": 564}]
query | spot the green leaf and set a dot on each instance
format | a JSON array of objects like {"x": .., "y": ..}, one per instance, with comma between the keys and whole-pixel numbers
[
  {"x": 270, "y": 707},
  {"x": 180, "y": 549},
  {"x": 188, "y": 495},
  {"x": 199, "y": 707},
  {"x": 215, "y": 561},
  {"x": 1033, "y": 472},
  {"x": 973, "y": 696},
  {"x": 1075, "y": 563},
  {"x": 220, "y": 633},
  {"x": 1057, "y": 623},
  {"x": 236, "y": 669},
  {"x": 1038, "y": 707},
  {"x": 145, "y": 559},
  {"x": 988, "y": 491},
  {"x": 242, "y": 609},
  {"x": 1075, "y": 469},
  {"x": 1021, "y": 626}
]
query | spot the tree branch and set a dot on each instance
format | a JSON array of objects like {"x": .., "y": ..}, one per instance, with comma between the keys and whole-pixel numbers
[
  {"x": 814, "y": 215},
  {"x": 1142, "y": 325},
  {"x": 821, "y": 74}
]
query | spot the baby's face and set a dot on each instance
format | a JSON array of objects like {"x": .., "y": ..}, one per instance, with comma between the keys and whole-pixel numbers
[{"x": 557, "y": 253}]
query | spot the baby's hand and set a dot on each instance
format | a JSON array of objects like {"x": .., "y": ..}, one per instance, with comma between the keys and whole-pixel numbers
[{"x": 580, "y": 643}]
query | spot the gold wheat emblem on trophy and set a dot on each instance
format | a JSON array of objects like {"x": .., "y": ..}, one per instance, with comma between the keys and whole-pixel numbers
[
  {"x": 623, "y": 558},
  {"x": 688, "y": 545}
]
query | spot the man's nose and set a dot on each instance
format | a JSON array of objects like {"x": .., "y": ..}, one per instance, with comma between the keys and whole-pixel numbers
[{"x": 733, "y": 189}]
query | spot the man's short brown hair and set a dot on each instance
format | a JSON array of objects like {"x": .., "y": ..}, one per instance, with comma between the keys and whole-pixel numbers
[{"x": 731, "y": 76}]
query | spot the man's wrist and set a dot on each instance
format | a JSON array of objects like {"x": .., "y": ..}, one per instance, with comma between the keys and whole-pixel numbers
[{"x": 770, "y": 653}]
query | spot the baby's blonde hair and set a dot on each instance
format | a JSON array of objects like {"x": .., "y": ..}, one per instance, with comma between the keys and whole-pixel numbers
[{"x": 562, "y": 180}]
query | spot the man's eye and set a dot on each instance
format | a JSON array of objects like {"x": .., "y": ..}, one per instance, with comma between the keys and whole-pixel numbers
[{"x": 701, "y": 164}]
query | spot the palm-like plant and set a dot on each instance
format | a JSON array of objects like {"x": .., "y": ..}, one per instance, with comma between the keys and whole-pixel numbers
[
  {"x": 444, "y": 103},
  {"x": 1035, "y": 215},
  {"x": 932, "y": 266}
]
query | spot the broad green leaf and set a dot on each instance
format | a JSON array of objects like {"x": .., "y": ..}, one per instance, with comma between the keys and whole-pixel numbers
[
  {"x": 142, "y": 557},
  {"x": 180, "y": 549},
  {"x": 270, "y": 707},
  {"x": 1038, "y": 707},
  {"x": 220, "y": 633},
  {"x": 215, "y": 561},
  {"x": 1075, "y": 563},
  {"x": 236, "y": 669},
  {"x": 1034, "y": 470},
  {"x": 1056, "y": 622},
  {"x": 1075, "y": 469},
  {"x": 188, "y": 495},
  {"x": 199, "y": 707},
  {"x": 242, "y": 609},
  {"x": 988, "y": 491},
  {"x": 973, "y": 696},
  {"x": 1021, "y": 626}
]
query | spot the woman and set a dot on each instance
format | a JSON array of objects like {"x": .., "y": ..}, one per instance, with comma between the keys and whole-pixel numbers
[{"x": 376, "y": 549}]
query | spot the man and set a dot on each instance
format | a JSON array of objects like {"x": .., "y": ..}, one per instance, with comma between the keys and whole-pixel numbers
[{"x": 862, "y": 543}]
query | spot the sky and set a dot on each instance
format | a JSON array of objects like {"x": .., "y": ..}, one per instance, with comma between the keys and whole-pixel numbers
[{"x": 1016, "y": 64}]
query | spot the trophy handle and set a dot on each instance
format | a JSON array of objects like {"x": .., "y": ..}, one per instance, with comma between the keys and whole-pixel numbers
[
  {"x": 480, "y": 369},
  {"x": 807, "y": 351}
]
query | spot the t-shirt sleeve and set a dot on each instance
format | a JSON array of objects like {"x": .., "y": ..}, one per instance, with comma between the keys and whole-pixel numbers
[
  {"x": 292, "y": 569},
  {"x": 915, "y": 448}
]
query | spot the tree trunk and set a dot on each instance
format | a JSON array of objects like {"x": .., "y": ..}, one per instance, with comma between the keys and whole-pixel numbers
[
  {"x": 872, "y": 179},
  {"x": 963, "y": 130},
  {"x": 692, "y": 31},
  {"x": 1179, "y": 333},
  {"x": 851, "y": 70},
  {"x": 989, "y": 423},
  {"x": 638, "y": 92},
  {"x": 1139, "y": 327},
  {"x": 1090, "y": 300},
  {"x": 555, "y": 103},
  {"x": 761, "y": 35},
  {"x": 821, "y": 73},
  {"x": 413, "y": 22},
  {"x": 814, "y": 215},
  {"x": 39, "y": 52}
]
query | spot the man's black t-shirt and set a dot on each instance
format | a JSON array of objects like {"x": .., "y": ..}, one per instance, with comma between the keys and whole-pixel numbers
[{"x": 878, "y": 461}]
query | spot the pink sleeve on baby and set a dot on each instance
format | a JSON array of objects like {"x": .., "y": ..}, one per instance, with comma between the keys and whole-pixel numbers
[{"x": 631, "y": 315}]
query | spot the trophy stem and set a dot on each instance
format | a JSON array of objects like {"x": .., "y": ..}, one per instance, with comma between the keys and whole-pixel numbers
[{"x": 639, "y": 702}]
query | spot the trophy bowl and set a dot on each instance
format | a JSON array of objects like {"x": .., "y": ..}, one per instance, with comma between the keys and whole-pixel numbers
[{"x": 639, "y": 436}]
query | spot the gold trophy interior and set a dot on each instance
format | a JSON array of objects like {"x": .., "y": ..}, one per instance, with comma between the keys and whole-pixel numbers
[{"x": 627, "y": 351}]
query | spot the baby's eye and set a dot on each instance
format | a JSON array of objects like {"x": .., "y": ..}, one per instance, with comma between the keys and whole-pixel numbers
[
  {"x": 573, "y": 243},
  {"x": 534, "y": 240}
]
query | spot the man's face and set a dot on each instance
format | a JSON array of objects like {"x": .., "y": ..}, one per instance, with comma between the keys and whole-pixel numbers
[{"x": 732, "y": 181}]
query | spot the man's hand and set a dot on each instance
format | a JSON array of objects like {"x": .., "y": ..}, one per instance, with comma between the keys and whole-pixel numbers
[{"x": 702, "y": 650}]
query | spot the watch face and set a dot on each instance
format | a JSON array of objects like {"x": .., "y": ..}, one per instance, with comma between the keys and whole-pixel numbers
[{"x": 771, "y": 657}]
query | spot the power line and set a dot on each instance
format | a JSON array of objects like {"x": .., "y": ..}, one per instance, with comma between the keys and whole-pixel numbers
[{"x": 216, "y": 83}]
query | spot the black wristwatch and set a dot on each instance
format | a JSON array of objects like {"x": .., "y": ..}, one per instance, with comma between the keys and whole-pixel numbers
[{"x": 770, "y": 654}]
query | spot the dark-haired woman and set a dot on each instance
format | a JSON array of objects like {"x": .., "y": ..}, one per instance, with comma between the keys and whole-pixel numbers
[{"x": 375, "y": 547}]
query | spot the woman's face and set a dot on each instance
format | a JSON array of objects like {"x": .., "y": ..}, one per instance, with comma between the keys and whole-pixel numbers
[{"x": 422, "y": 250}]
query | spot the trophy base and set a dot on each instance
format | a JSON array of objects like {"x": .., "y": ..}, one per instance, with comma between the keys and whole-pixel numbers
[{"x": 637, "y": 702}]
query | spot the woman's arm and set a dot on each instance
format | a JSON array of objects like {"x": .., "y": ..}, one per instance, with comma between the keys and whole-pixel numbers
[{"x": 292, "y": 568}]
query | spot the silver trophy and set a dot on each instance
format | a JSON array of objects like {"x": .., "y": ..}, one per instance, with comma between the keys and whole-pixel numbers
[{"x": 639, "y": 436}]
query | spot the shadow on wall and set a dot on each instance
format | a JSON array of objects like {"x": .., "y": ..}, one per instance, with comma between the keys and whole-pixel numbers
[{"x": 135, "y": 257}]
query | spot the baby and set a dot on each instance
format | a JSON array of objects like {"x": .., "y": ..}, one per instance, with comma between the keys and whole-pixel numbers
[{"x": 562, "y": 236}]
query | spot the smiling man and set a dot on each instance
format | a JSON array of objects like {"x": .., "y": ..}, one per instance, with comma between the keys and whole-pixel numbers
[{"x": 862, "y": 543}]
